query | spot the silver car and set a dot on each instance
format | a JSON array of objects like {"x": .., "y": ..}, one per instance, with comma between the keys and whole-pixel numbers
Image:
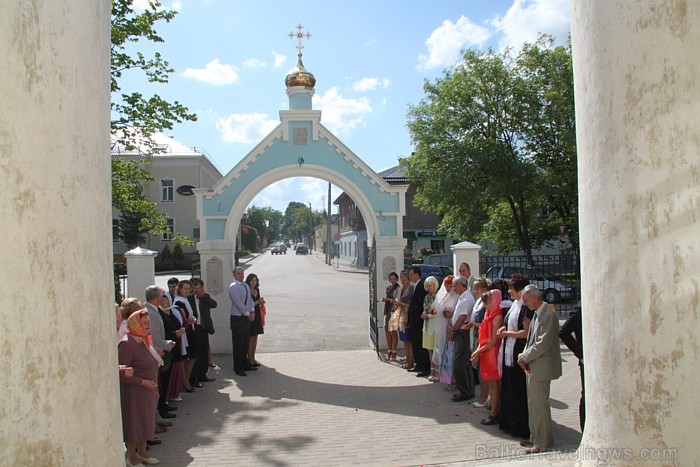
[{"x": 553, "y": 290}]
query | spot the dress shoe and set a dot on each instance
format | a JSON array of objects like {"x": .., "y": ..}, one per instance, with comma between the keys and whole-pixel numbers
[
  {"x": 165, "y": 424},
  {"x": 160, "y": 429},
  {"x": 461, "y": 397},
  {"x": 423, "y": 374},
  {"x": 198, "y": 385},
  {"x": 250, "y": 368},
  {"x": 170, "y": 408},
  {"x": 207, "y": 379},
  {"x": 167, "y": 415},
  {"x": 153, "y": 442},
  {"x": 526, "y": 443},
  {"x": 413, "y": 370},
  {"x": 241, "y": 373},
  {"x": 176, "y": 399},
  {"x": 190, "y": 390}
]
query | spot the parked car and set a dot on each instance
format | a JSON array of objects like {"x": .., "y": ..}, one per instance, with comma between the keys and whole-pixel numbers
[
  {"x": 554, "y": 291},
  {"x": 301, "y": 249},
  {"x": 435, "y": 270},
  {"x": 278, "y": 249}
]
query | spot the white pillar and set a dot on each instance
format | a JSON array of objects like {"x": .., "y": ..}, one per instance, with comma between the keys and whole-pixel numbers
[
  {"x": 140, "y": 272},
  {"x": 60, "y": 390},
  {"x": 636, "y": 68},
  {"x": 217, "y": 262},
  {"x": 466, "y": 252},
  {"x": 389, "y": 259}
]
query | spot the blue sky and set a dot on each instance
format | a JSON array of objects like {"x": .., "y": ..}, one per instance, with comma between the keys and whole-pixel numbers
[{"x": 370, "y": 59}]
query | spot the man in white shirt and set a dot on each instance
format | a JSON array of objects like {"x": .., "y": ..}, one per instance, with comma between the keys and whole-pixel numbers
[
  {"x": 466, "y": 271},
  {"x": 242, "y": 313},
  {"x": 462, "y": 367}
]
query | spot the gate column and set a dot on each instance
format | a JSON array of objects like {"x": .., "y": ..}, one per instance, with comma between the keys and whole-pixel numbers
[
  {"x": 217, "y": 263},
  {"x": 636, "y": 68}
]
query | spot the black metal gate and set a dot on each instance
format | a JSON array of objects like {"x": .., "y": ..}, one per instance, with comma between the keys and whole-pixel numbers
[{"x": 373, "y": 325}]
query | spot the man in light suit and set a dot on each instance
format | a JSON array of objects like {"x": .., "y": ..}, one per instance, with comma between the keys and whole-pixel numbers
[{"x": 541, "y": 361}]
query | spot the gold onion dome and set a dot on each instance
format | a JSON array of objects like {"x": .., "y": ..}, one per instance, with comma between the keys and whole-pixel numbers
[{"x": 300, "y": 76}]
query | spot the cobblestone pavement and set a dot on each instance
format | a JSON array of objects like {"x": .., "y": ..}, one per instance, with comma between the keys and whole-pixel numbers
[{"x": 348, "y": 408}]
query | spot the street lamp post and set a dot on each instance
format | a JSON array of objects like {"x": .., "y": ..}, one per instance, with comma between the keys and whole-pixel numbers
[{"x": 311, "y": 226}]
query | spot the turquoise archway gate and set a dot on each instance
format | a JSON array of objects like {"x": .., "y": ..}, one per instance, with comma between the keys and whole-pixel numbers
[{"x": 299, "y": 146}]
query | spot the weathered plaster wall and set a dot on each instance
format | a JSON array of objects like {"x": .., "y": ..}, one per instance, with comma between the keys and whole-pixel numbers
[
  {"x": 59, "y": 400},
  {"x": 636, "y": 67}
]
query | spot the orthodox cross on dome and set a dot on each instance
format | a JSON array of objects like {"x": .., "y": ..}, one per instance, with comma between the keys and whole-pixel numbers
[{"x": 299, "y": 35}]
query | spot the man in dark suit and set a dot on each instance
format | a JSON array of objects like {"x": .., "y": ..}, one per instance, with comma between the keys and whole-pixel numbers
[
  {"x": 415, "y": 324},
  {"x": 541, "y": 361},
  {"x": 202, "y": 304}
]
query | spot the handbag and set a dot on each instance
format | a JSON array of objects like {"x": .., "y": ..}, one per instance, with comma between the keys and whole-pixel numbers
[
  {"x": 395, "y": 320},
  {"x": 263, "y": 312}
]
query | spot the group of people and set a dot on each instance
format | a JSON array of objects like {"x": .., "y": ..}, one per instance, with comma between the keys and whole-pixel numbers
[
  {"x": 163, "y": 352},
  {"x": 502, "y": 334}
]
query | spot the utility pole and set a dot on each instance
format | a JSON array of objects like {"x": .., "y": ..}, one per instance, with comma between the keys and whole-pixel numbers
[
  {"x": 329, "y": 258},
  {"x": 311, "y": 225}
]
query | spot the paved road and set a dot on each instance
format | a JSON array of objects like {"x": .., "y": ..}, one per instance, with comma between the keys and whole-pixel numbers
[
  {"x": 342, "y": 407},
  {"x": 311, "y": 306}
]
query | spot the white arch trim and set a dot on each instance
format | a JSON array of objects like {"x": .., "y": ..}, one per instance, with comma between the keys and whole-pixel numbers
[{"x": 307, "y": 170}]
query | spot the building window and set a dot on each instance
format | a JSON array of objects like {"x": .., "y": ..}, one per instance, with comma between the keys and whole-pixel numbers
[
  {"x": 167, "y": 190},
  {"x": 195, "y": 234},
  {"x": 115, "y": 230},
  {"x": 438, "y": 246},
  {"x": 168, "y": 236}
]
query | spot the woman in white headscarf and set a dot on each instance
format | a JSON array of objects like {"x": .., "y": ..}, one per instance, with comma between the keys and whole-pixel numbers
[{"x": 445, "y": 302}]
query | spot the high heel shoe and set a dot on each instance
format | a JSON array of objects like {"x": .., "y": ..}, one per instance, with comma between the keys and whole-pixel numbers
[{"x": 190, "y": 390}]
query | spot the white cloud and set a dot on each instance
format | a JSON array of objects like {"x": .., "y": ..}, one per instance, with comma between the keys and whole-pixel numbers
[
  {"x": 280, "y": 59},
  {"x": 526, "y": 19},
  {"x": 254, "y": 63},
  {"x": 245, "y": 128},
  {"x": 165, "y": 5},
  {"x": 445, "y": 43},
  {"x": 370, "y": 84},
  {"x": 304, "y": 189},
  {"x": 213, "y": 72},
  {"x": 340, "y": 114}
]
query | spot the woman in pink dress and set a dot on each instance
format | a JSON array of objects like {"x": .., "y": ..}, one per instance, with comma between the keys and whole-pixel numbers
[
  {"x": 139, "y": 392},
  {"x": 487, "y": 352}
]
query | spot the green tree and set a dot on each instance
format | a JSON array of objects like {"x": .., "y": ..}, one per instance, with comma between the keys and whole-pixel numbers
[
  {"x": 136, "y": 117},
  {"x": 289, "y": 228},
  {"x": 257, "y": 217},
  {"x": 503, "y": 124}
]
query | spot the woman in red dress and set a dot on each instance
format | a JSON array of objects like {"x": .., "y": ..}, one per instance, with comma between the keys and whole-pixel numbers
[{"x": 487, "y": 352}]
